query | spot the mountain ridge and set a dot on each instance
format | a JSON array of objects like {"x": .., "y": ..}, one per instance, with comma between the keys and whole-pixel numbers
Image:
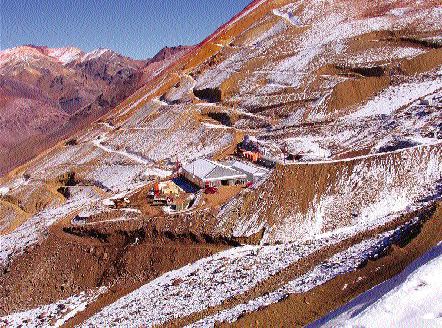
[
  {"x": 343, "y": 101},
  {"x": 96, "y": 82}
]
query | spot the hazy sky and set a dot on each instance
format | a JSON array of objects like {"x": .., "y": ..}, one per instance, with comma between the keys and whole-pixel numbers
[{"x": 135, "y": 28}]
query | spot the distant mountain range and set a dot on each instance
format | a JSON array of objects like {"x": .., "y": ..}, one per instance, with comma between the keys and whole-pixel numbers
[
  {"x": 47, "y": 94},
  {"x": 340, "y": 100}
]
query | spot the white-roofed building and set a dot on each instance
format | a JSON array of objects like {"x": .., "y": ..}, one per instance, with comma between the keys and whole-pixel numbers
[
  {"x": 206, "y": 173},
  {"x": 253, "y": 172}
]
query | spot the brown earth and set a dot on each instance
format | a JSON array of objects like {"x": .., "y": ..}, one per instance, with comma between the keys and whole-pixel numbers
[
  {"x": 42, "y": 195},
  {"x": 354, "y": 91},
  {"x": 8, "y": 209},
  {"x": 126, "y": 256},
  {"x": 391, "y": 262},
  {"x": 367, "y": 82},
  {"x": 73, "y": 259},
  {"x": 423, "y": 63},
  {"x": 139, "y": 201},
  {"x": 224, "y": 194},
  {"x": 301, "y": 309}
]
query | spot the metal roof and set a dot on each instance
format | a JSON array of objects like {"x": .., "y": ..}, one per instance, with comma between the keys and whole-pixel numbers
[
  {"x": 208, "y": 170},
  {"x": 247, "y": 168}
]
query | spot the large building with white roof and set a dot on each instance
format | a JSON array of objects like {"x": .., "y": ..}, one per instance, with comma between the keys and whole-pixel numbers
[{"x": 206, "y": 173}]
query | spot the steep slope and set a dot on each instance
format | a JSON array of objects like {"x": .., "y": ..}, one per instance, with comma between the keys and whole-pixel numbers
[
  {"x": 48, "y": 94},
  {"x": 319, "y": 198},
  {"x": 168, "y": 52},
  {"x": 74, "y": 89},
  {"x": 339, "y": 280},
  {"x": 345, "y": 99},
  {"x": 420, "y": 282}
]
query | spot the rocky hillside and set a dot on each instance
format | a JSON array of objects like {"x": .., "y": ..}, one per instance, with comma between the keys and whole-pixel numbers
[
  {"x": 48, "y": 94},
  {"x": 346, "y": 100}
]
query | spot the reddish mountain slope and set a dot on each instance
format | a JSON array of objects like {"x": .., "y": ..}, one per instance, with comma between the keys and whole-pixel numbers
[
  {"x": 345, "y": 99},
  {"x": 168, "y": 52},
  {"x": 47, "y": 94}
]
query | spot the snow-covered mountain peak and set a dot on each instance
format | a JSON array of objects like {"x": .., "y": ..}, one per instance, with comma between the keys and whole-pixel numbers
[
  {"x": 340, "y": 103},
  {"x": 97, "y": 53},
  {"x": 65, "y": 55},
  {"x": 20, "y": 54}
]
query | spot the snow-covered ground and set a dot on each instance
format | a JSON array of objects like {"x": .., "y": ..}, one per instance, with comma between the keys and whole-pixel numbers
[
  {"x": 308, "y": 148},
  {"x": 4, "y": 191},
  {"x": 203, "y": 284},
  {"x": 52, "y": 315},
  {"x": 364, "y": 192},
  {"x": 169, "y": 135},
  {"x": 66, "y": 55},
  {"x": 133, "y": 157},
  {"x": 396, "y": 97},
  {"x": 182, "y": 92},
  {"x": 288, "y": 13},
  {"x": 380, "y": 55},
  {"x": 340, "y": 263},
  {"x": 34, "y": 228},
  {"x": 411, "y": 299},
  {"x": 213, "y": 280}
]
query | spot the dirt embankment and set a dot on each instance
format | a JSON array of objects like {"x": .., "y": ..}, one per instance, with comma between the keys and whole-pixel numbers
[
  {"x": 320, "y": 197},
  {"x": 301, "y": 309},
  {"x": 73, "y": 259},
  {"x": 20, "y": 205},
  {"x": 422, "y": 63},
  {"x": 354, "y": 91}
]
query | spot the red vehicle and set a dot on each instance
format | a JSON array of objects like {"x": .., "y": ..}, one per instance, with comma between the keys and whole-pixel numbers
[{"x": 211, "y": 190}]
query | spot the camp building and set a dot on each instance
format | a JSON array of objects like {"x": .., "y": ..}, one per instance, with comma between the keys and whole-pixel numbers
[
  {"x": 253, "y": 172},
  {"x": 206, "y": 173}
]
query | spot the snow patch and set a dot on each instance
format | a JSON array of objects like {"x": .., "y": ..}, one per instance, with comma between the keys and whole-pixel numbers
[
  {"x": 53, "y": 315},
  {"x": 66, "y": 55},
  {"x": 287, "y": 13},
  {"x": 203, "y": 284},
  {"x": 413, "y": 296},
  {"x": 4, "y": 191},
  {"x": 308, "y": 148},
  {"x": 396, "y": 97}
]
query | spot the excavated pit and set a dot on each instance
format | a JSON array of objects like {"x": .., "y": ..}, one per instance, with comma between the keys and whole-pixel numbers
[
  {"x": 223, "y": 118},
  {"x": 211, "y": 95},
  {"x": 428, "y": 43},
  {"x": 374, "y": 71},
  {"x": 364, "y": 83}
]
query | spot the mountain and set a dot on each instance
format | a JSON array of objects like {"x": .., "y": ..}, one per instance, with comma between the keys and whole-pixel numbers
[
  {"x": 343, "y": 99},
  {"x": 168, "y": 52},
  {"x": 47, "y": 94}
]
